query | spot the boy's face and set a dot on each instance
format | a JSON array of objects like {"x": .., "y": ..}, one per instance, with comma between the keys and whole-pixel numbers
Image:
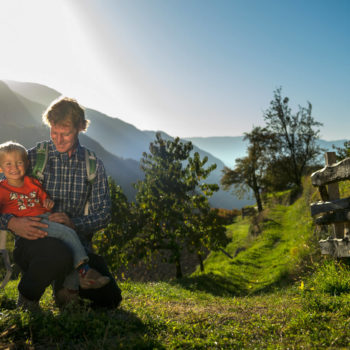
[
  {"x": 13, "y": 166},
  {"x": 64, "y": 137}
]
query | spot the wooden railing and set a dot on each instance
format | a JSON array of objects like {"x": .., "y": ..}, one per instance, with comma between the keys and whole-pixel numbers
[{"x": 333, "y": 210}]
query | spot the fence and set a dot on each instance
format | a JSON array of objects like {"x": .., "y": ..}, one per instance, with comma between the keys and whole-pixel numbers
[{"x": 334, "y": 211}]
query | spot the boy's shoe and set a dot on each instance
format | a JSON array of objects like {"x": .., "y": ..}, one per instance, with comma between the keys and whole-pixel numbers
[
  {"x": 26, "y": 304},
  {"x": 93, "y": 280},
  {"x": 65, "y": 296}
]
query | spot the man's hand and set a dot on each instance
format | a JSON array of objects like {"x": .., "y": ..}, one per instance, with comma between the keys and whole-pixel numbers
[
  {"x": 48, "y": 203},
  {"x": 27, "y": 227},
  {"x": 62, "y": 218}
]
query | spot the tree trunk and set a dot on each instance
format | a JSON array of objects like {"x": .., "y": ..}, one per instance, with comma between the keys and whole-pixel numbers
[
  {"x": 258, "y": 201},
  {"x": 200, "y": 259},
  {"x": 178, "y": 268},
  {"x": 257, "y": 194}
]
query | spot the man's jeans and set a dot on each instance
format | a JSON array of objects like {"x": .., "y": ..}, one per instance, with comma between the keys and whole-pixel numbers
[
  {"x": 42, "y": 261},
  {"x": 69, "y": 237}
]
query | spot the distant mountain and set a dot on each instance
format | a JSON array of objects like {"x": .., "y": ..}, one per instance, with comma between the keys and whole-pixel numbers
[
  {"x": 13, "y": 111},
  {"x": 120, "y": 145},
  {"x": 328, "y": 145},
  {"x": 117, "y": 137},
  {"x": 227, "y": 149},
  {"x": 20, "y": 121},
  {"x": 34, "y": 92}
]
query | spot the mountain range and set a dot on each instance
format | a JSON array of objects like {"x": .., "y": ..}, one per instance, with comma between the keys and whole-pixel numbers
[{"x": 119, "y": 144}]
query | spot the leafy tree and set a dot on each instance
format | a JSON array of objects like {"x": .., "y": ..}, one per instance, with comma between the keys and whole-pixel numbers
[
  {"x": 342, "y": 152},
  {"x": 295, "y": 136},
  {"x": 113, "y": 241},
  {"x": 248, "y": 174},
  {"x": 173, "y": 201}
]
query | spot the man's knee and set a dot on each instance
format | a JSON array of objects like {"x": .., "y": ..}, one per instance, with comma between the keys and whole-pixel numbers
[
  {"x": 59, "y": 254},
  {"x": 49, "y": 250}
]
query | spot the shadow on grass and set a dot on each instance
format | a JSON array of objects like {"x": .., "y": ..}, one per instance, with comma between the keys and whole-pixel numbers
[
  {"x": 77, "y": 328},
  {"x": 215, "y": 284},
  {"x": 234, "y": 285}
]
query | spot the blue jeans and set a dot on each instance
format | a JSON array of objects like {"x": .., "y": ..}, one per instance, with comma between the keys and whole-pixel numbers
[{"x": 69, "y": 237}]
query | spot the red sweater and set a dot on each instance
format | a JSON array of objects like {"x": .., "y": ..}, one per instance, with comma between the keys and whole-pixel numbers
[{"x": 22, "y": 201}]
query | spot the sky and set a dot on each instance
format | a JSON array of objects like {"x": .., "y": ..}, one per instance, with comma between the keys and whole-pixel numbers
[{"x": 186, "y": 67}]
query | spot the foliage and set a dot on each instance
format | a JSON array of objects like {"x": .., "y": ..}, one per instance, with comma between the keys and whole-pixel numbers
[
  {"x": 278, "y": 155},
  {"x": 295, "y": 136},
  {"x": 248, "y": 174},
  {"x": 113, "y": 241},
  {"x": 343, "y": 152},
  {"x": 173, "y": 202}
]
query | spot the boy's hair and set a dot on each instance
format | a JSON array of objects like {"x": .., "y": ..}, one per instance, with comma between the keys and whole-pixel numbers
[
  {"x": 10, "y": 146},
  {"x": 66, "y": 109}
]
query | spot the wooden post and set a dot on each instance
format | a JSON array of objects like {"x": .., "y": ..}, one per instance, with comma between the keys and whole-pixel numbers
[{"x": 333, "y": 193}]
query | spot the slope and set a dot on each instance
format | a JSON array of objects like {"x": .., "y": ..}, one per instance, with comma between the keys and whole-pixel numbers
[
  {"x": 12, "y": 111},
  {"x": 227, "y": 149},
  {"x": 286, "y": 243}
]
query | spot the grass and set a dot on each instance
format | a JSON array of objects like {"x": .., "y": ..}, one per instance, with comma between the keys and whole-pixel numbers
[
  {"x": 168, "y": 316},
  {"x": 276, "y": 293},
  {"x": 284, "y": 248}
]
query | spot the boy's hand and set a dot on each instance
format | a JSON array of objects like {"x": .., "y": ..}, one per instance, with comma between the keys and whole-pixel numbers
[{"x": 48, "y": 203}]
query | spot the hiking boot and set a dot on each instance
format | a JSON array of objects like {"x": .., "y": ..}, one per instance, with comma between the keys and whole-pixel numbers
[
  {"x": 26, "y": 304},
  {"x": 93, "y": 280},
  {"x": 66, "y": 296}
]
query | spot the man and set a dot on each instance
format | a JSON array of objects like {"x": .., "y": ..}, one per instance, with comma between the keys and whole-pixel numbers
[{"x": 43, "y": 259}]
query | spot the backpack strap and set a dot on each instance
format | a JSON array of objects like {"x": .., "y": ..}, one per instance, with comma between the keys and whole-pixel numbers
[
  {"x": 91, "y": 169},
  {"x": 42, "y": 151}
]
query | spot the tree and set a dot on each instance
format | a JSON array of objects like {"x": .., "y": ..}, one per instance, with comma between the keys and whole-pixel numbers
[
  {"x": 173, "y": 200},
  {"x": 113, "y": 241},
  {"x": 248, "y": 174},
  {"x": 342, "y": 152},
  {"x": 295, "y": 136}
]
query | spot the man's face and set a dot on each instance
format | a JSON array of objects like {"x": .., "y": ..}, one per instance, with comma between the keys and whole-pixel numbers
[{"x": 64, "y": 137}]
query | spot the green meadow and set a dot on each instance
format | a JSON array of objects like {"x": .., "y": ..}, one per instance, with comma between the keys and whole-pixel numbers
[{"x": 269, "y": 289}]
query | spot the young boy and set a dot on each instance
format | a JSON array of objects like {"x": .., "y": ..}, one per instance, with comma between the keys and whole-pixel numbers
[{"x": 22, "y": 195}]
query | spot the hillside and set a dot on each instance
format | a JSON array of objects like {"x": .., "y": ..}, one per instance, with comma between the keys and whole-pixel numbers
[
  {"x": 270, "y": 249},
  {"x": 227, "y": 149},
  {"x": 115, "y": 136},
  {"x": 276, "y": 294},
  {"x": 28, "y": 131}
]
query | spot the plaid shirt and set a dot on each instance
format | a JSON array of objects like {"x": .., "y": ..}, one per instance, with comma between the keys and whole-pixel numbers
[{"x": 65, "y": 181}]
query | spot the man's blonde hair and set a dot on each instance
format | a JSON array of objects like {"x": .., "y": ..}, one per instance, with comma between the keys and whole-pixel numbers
[
  {"x": 65, "y": 109},
  {"x": 10, "y": 146}
]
